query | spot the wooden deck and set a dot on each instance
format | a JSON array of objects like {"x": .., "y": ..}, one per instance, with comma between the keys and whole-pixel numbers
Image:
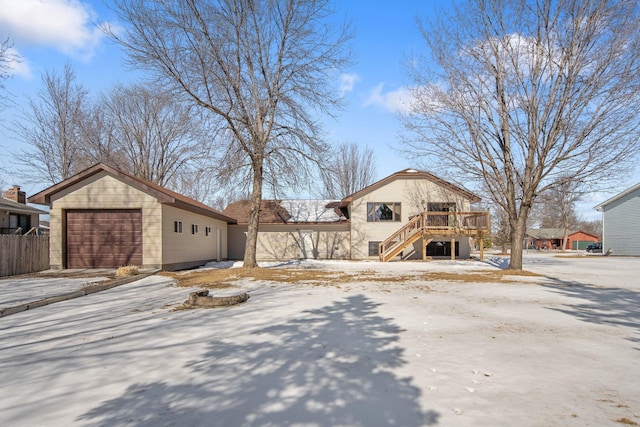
[{"x": 472, "y": 224}]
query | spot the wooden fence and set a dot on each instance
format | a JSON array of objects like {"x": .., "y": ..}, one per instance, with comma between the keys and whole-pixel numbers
[{"x": 23, "y": 254}]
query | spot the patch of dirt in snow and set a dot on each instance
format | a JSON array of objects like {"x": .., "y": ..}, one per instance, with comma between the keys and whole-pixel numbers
[{"x": 223, "y": 278}]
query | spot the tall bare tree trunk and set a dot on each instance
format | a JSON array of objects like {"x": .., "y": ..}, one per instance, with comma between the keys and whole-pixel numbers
[
  {"x": 517, "y": 243},
  {"x": 254, "y": 216}
]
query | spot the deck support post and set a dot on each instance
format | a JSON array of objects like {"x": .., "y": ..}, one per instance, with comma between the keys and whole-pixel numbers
[
  {"x": 453, "y": 248},
  {"x": 481, "y": 246}
]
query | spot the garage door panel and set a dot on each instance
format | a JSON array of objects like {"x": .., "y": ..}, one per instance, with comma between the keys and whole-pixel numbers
[{"x": 104, "y": 238}]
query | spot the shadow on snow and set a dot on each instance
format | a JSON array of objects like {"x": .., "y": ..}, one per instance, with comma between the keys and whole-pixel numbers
[
  {"x": 605, "y": 306},
  {"x": 332, "y": 366}
]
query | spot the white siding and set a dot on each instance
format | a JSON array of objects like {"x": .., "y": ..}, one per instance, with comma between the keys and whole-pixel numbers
[
  {"x": 185, "y": 248},
  {"x": 412, "y": 194},
  {"x": 284, "y": 242},
  {"x": 621, "y": 225}
]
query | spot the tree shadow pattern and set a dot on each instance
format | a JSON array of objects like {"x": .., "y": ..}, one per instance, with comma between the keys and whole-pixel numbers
[
  {"x": 331, "y": 366},
  {"x": 605, "y": 306}
]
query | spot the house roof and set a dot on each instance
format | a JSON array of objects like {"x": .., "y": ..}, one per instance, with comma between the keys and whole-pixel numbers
[
  {"x": 554, "y": 233},
  {"x": 289, "y": 211},
  {"x": 602, "y": 205},
  {"x": 546, "y": 233},
  {"x": 595, "y": 236},
  {"x": 163, "y": 195},
  {"x": 410, "y": 173},
  {"x": 15, "y": 207}
]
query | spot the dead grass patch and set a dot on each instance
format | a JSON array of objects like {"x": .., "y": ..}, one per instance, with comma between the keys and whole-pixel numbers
[{"x": 224, "y": 278}]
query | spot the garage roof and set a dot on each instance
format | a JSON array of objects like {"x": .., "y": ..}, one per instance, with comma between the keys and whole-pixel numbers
[{"x": 163, "y": 195}]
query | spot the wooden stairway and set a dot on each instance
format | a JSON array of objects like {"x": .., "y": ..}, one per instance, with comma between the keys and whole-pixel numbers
[
  {"x": 434, "y": 223},
  {"x": 401, "y": 239}
]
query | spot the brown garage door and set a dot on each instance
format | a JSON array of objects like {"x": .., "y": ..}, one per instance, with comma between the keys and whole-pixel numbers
[{"x": 104, "y": 238}]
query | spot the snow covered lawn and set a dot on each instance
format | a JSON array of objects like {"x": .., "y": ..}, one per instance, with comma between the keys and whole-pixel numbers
[{"x": 558, "y": 349}]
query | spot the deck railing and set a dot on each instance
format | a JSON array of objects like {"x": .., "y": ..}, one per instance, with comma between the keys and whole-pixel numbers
[{"x": 449, "y": 223}]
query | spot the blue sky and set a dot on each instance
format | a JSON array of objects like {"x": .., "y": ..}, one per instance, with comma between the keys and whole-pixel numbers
[{"x": 49, "y": 33}]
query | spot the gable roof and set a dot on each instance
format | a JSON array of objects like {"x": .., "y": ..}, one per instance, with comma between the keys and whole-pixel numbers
[
  {"x": 546, "y": 233},
  {"x": 12, "y": 206},
  {"x": 554, "y": 233},
  {"x": 289, "y": 211},
  {"x": 410, "y": 173},
  {"x": 162, "y": 195},
  {"x": 626, "y": 192}
]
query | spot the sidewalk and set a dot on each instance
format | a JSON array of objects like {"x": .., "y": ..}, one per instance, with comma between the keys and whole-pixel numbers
[{"x": 22, "y": 293}]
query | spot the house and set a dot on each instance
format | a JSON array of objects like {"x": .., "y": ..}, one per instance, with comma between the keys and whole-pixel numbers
[
  {"x": 408, "y": 215},
  {"x": 621, "y": 223},
  {"x": 579, "y": 240},
  {"x": 104, "y": 218},
  {"x": 551, "y": 238},
  {"x": 15, "y": 216}
]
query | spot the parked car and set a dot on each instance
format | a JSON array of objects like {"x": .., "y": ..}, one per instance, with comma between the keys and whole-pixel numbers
[{"x": 594, "y": 247}]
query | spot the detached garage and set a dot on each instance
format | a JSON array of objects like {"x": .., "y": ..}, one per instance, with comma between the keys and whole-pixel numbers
[{"x": 104, "y": 218}]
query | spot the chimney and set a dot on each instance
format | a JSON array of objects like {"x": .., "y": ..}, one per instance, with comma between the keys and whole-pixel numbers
[{"x": 16, "y": 195}]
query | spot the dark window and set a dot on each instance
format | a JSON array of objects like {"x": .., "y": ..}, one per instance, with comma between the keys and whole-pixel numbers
[
  {"x": 18, "y": 221},
  {"x": 441, "y": 207},
  {"x": 194, "y": 228},
  {"x": 177, "y": 226},
  {"x": 207, "y": 231},
  {"x": 374, "y": 248},
  {"x": 383, "y": 212}
]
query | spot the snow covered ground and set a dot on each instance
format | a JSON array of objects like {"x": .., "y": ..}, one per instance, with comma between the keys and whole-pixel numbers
[{"x": 561, "y": 349}]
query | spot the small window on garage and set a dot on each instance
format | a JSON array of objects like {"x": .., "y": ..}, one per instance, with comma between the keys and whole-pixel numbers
[
  {"x": 177, "y": 227},
  {"x": 194, "y": 228},
  {"x": 207, "y": 231},
  {"x": 374, "y": 248}
]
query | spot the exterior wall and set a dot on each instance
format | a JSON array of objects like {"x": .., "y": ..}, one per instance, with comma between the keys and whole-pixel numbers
[
  {"x": 293, "y": 241},
  {"x": 412, "y": 194},
  {"x": 184, "y": 250},
  {"x": 462, "y": 242},
  {"x": 237, "y": 238},
  {"x": 580, "y": 239},
  {"x": 621, "y": 225},
  {"x": 4, "y": 219},
  {"x": 102, "y": 191}
]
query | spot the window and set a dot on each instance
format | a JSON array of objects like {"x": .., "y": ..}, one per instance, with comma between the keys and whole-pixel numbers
[
  {"x": 207, "y": 231},
  {"x": 441, "y": 207},
  {"x": 19, "y": 221},
  {"x": 177, "y": 227},
  {"x": 194, "y": 228},
  {"x": 374, "y": 248},
  {"x": 383, "y": 212}
]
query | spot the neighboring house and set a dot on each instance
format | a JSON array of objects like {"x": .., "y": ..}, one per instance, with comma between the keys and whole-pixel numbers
[
  {"x": 579, "y": 240},
  {"x": 551, "y": 238},
  {"x": 408, "y": 215},
  {"x": 15, "y": 216},
  {"x": 621, "y": 223},
  {"x": 103, "y": 218}
]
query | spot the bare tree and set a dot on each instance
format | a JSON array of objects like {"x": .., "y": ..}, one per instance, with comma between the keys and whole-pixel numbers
[
  {"x": 501, "y": 232},
  {"x": 521, "y": 92},
  {"x": 349, "y": 168},
  {"x": 558, "y": 206},
  {"x": 52, "y": 128},
  {"x": 6, "y": 58},
  {"x": 154, "y": 135},
  {"x": 262, "y": 68}
]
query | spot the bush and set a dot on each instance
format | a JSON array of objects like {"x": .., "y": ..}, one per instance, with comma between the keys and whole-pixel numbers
[{"x": 127, "y": 270}]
